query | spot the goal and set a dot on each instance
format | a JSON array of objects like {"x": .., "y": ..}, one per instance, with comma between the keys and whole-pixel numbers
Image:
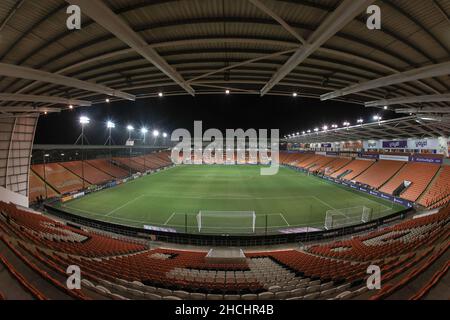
[
  {"x": 236, "y": 222},
  {"x": 337, "y": 218}
]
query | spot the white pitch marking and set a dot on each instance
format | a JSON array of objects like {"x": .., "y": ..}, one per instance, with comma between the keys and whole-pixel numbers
[
  {"x": 282, "y": 216},
  {"x": 170, "y": 218},
  {"x": 124, "y": 205}
]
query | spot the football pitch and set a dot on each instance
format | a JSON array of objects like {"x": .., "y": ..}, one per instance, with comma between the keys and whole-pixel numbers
[{"x": 231, "y": 198}]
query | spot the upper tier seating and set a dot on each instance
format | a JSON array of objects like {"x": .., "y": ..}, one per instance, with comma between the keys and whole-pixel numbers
[
  {"x": 439, "y": 190},
  {"x": 59, "y": 177},
  {"x": 353, "y": 169},
  {"x": 37, "y": 188},
  {"x": 420, "y": 176},
  {"x": 109, "y": 168},
  {"x": 379, "y": 173},
  {"x": 91, "y": 174}
]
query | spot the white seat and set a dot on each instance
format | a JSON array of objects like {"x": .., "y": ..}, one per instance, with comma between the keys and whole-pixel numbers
[
  {"x": 152, "y": 296},
  {"x": 249, "y": 296},
  {"x": 171, "y": 298},
  {"x": 311, "y": 296},
  {"x": 197, "y": 296},
  {"x": 266, "y": 296}
]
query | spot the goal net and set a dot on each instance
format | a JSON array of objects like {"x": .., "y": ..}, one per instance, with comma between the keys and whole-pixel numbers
[
  {"x": 226, "y": 222},
  {"x": 337, "y": 218}
]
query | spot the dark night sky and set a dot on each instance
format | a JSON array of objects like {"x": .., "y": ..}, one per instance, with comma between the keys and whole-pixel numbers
[{"x": 223, "y": 112}]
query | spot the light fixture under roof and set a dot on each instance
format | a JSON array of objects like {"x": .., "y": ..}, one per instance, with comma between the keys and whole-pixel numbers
[
  {"x": 130, "y": 127},
  {"x": 294, "y": 94},
  {"x": 227, "y": 91},
  {"x": 160, "y": 94},
  {"x": 107, "y": 100},
  {"x": 84, "y": 120},
  {"x": 110, "y": 125}
]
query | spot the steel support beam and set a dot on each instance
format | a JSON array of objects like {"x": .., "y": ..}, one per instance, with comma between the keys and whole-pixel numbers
[
  {"x": 405, "y": 100},
  {"x": 21, "y": 109},
  {"x": 104, "y": 16},
  {"x": 278, "y": 19},
  {"x": 49, "y": 99},
  {"x": 14, "y": 71},
  {"x": 334, "y": 22},
  {"x": 434, "y": 70}
]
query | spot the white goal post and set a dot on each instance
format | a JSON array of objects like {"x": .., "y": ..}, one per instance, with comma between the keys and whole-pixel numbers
[
  {"x": 226, "y": 221},
  {"x": 337, "y": 218}
]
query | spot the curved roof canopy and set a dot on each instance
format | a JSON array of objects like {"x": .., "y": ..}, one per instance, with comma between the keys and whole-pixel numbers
[{"x": 131, "y": 49}]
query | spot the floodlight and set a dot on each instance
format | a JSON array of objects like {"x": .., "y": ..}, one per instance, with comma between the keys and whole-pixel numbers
[
  {"x": 160, "y": 94},
  {"x": 130, "y": 128},
  {"x": 294, "y": 94},
  {"x": 227, "y": 91},
  {"x": 360, "y": 121},
  {"x": 376, "y": 117},
  {"x": 110, "y": 125},
  {"x": 346, "y": 124},
  {"x": 155, "y": 133},
  {"x": 84, "y": 120},
  {"x": 71, "y": 107},
  {"x": 303, "y": 132},
  {"x": 309, "y": 131},
  {"x": 316, "y": 129},
  {"x": 164, "y": 135},
  {"x": 144, "y": 130},
  {"x": 325, "y": 128},
  {"x": 107, "y": 100},
  {"x": 385, "y": 107}
]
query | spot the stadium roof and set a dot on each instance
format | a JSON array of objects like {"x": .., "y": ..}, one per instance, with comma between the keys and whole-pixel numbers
[
  {"x": 128, "y": 49},
  {"x": 401, "y": 128}
]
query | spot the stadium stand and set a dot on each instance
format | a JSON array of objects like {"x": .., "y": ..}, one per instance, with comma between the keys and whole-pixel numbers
[
  {"x": 352, "y": 170},
  {"x": 320, "y": 163},
  {"x": 380, "y": 172},
  {"x": 420, "y": 176},
  {"x": 61, "y": 179},
  {"x": 438, "y": 192},
  {"x": 335, "y": 165},
  {"x": 38, "y": 188},
  {"x": 109, "y": 168},
  {"x": 120, "y": 269},
  {"x": 91, "y": 174}
]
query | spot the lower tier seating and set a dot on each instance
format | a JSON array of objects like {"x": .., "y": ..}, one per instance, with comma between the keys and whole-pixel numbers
[{"x": 120, "y": 269}]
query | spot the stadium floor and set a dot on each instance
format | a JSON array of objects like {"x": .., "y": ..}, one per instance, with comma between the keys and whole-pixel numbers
[{"x": 173, "y": 198}]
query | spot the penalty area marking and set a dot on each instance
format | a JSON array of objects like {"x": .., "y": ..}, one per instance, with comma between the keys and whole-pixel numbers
[{"x": 170, "y": 218}]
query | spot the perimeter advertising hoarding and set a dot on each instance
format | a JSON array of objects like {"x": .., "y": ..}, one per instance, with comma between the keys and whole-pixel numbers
[
  {"x": 393, "y": 157},
  {"x": 425, "y": 159}
]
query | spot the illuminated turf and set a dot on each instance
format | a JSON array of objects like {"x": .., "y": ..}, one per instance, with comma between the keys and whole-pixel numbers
[{"x": 174, "y": 196}]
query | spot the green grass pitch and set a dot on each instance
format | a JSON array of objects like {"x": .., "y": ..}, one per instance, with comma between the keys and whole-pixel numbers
[{"x": 174, "y": 197}]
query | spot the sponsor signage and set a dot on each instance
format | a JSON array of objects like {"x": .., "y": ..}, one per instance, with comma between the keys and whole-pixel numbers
[
  {"x": 326, "y": 145},
  {"x": 395, "y": 144},
  {"x": 332, "y": 153},
  {"x": 393, "y": 157},
  {"x": 368, "y": 155},
  {"x": 425, "y": 159}
]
